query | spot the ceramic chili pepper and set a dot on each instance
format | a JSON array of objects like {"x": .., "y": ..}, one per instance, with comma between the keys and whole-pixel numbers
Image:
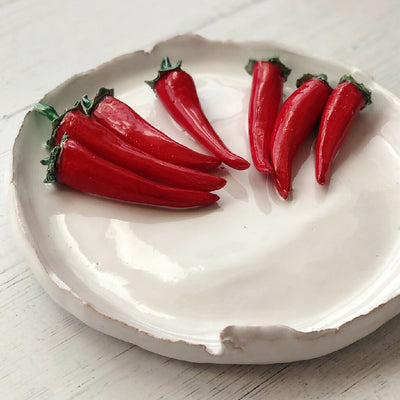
[
  {"x": 72, "y": 164},
  {"x": 294, "y": 122},
  {"x": 131, "y": 127},
  {"x": 109, "y": 146},
  {"x": 266, "y": 94},
  {"x": 342, "y": 108},
  {"x": 177, "y": 92}
]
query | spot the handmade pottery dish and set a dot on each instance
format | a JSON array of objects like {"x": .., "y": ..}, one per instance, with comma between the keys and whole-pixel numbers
[{"x": 252, "y": 279}]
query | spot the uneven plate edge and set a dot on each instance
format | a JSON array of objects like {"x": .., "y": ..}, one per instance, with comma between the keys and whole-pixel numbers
[{"x": 235, "y": 340}]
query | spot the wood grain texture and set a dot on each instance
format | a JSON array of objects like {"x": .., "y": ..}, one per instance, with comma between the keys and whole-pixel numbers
[{"x": 45, "y": 353}]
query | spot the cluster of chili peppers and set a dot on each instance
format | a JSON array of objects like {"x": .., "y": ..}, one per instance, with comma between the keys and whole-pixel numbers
[
  {"x": 103, "y": 147},
  {"x": 276, "y": 134}
]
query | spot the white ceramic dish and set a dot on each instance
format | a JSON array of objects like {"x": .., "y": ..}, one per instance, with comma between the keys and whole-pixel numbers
[{"x": 254, "y": 279}]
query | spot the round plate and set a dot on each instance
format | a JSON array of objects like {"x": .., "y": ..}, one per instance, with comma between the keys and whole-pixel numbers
[{"x": 253, "y": 279}]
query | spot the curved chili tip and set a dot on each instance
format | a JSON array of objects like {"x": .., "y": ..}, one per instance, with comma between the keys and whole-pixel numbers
[
  {"x": 283, "y": 191},
  {"x": 235, "y": 162},
  {"x": 321, "y": 179}
]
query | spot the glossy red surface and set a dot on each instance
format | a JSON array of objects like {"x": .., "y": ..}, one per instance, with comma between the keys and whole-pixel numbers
[
  {"x": 82, "y": 170},
  {"x": 111, "y": 147},
  {"x": 265, "y": 99},
  {"x": 177, "y": 92},
  {"x": 131, "y": 127},
  {"x": 295, "y": 120},
  {"x": 340, "y": 111}
]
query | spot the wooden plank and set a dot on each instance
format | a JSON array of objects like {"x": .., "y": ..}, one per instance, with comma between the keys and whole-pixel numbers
[
  {"x": 44, "y": 43},
  {"x": 367, "y": 36}
]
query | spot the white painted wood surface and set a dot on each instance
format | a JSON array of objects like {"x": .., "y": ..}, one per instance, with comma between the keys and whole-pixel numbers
[{"x": 45, "y": 353}]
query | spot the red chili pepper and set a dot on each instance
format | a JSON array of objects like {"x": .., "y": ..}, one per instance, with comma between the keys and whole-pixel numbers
[
  {"x": 77, "y": 167},
  {"x": 177, "y": 92},
  {"x": 342, "y": 108},
  {"x": 109, "y": 146},
  {"x": 295, "y": 120},
  {"x": 131, "y": 127},
  {"x": 265, "y": 98}
]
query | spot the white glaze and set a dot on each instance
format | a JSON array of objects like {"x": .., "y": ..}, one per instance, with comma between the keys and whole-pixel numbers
[{"x": 312, "y": 264}]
